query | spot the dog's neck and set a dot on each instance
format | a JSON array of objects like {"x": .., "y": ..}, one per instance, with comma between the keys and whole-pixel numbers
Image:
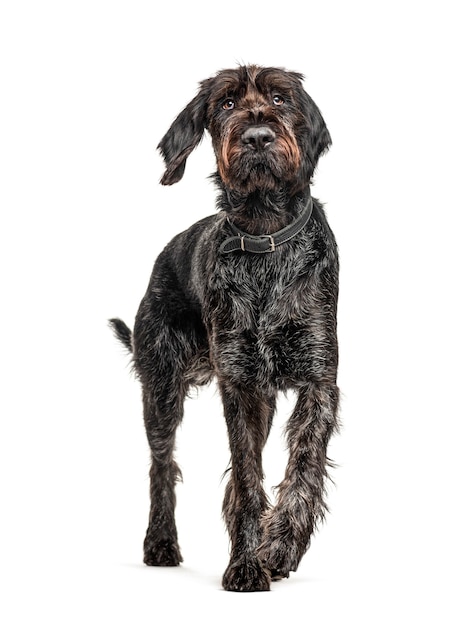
[{"x": 262, "y": 211}]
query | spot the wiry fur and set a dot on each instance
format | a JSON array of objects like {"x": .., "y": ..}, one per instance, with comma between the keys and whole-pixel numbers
[{"x": 258, "y": 323}]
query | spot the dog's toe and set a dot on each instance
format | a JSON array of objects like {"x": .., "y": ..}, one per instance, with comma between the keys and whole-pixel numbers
[
  {"x": 246, "y": 574},
  {"x": 164, "y": 553}
]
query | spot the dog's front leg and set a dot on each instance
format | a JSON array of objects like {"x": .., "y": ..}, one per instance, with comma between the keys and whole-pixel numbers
[
  {"x": 287, "y": 528},
  {"x": 248, "y": 416}
]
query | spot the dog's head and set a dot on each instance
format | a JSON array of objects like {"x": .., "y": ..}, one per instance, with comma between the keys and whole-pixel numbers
[{"x": 266, "y": 130}]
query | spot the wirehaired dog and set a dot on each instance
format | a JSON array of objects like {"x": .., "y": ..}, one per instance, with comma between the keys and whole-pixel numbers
[{"x": 249, "y": 296}]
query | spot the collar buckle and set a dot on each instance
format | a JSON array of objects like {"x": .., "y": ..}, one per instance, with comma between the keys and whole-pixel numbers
[{"x": 271, "y": 243}]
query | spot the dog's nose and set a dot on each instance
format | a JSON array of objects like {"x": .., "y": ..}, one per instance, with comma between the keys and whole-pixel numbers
[{"x": 258, "y": 137}]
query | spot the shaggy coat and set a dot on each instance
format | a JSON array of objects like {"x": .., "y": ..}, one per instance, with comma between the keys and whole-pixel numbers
[{"x": 247, "y": 296}]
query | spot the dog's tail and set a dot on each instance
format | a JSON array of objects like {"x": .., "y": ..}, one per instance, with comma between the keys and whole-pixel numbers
[{"x": 122, "y": 332}]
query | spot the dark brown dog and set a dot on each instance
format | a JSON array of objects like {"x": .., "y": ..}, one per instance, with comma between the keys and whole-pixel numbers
[{"x": 249, "y": 296}]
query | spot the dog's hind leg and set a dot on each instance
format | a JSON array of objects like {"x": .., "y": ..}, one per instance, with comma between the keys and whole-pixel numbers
[
  {"x": 162, "y": 414},
  {"x": 164, "y": 349},
  {"x": 162, "y": 417}
]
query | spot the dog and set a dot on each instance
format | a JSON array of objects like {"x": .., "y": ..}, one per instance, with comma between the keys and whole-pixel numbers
[{"x": 247, "y": 296}]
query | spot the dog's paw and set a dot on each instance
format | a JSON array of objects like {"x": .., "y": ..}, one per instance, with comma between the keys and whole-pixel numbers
[
  {"x": 246, "y": 574},
  {"x": 165, "y": 553},
  {"x": 280, "y": 552},
  {"x": 278, "y": 563},
  {"x": 276, "y": 560}
]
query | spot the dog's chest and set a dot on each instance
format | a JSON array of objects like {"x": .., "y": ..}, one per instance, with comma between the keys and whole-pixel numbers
[
  {"x": 265, "y": 321},
  {"x": 259, "y": 294}
]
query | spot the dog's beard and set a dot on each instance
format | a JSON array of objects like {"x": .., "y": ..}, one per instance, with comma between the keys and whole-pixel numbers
[
  {"x": 256, "y": 174},
  {"x": 247, "y": 170}
]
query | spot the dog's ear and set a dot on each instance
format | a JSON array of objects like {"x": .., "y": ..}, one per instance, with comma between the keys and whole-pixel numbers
[
  {"x": 184, "y": 135},
  {"x": 321, "y": 135},
  {"x": 318, "y": 139}
]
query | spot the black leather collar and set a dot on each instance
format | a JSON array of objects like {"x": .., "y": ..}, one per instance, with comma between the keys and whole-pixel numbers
[{"x": 260, "y": 244}]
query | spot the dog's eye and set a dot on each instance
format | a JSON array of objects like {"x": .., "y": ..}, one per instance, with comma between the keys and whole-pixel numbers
[
  {"x": 278, "y": 100},
  {"x": 228, "y": 104}
]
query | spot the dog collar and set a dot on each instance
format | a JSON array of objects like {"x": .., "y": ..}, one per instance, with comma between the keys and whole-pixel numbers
[{"x": 260, "y": 244}]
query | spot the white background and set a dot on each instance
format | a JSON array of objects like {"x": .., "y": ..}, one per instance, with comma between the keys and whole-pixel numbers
[{"x": 88, "y": 89}]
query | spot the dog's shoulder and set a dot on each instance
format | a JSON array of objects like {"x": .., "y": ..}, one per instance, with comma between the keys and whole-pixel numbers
[
  {"x": 181, "y": 246},
  {"x": 173, "y": 267}
]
